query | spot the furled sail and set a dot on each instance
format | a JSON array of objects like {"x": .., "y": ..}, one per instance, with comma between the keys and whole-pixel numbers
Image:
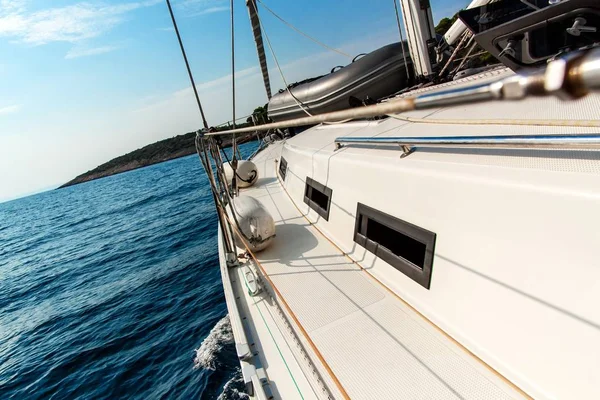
[{"x": 253, "y": 11}]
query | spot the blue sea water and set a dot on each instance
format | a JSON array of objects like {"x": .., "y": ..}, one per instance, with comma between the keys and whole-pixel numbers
[{"x": 107, "y": 288}]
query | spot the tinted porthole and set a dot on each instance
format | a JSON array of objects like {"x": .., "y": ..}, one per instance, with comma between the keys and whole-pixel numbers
[
  {"x": 318, "y": 197},
  {"x": 282, "y": 168},
  {"x": 405, "y": 246}
]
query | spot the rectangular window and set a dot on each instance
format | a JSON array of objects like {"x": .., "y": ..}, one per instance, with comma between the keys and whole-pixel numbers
[
  {"x": 318, "y": 197},
  {"x": 282, "y": 168},
  {"x": 406, "y": 247}
]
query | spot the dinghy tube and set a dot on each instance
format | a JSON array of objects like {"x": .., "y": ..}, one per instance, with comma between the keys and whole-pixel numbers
[{"x": 376, "y": 75}]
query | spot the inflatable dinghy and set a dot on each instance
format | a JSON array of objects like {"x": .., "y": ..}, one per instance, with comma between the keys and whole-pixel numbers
[{"x": 374, "y": 76}]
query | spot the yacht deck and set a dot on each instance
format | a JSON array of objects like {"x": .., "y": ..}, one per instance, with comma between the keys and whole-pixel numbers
[{"x": 372, "y": 341}]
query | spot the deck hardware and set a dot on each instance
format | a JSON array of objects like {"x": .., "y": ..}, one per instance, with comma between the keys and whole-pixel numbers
[
  {"x": 338, "y": 146},
  {"x": 231, "y": 260},
  {"x": 579, "y": 27},
  {"x": 406, "y": 150},
  {"x": 585, "y": 141},
  {"x": 243, "y": 351},
  {"x": 509, "y": 49}
]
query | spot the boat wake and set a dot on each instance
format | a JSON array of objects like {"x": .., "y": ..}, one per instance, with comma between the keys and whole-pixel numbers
[
  {"x": 233, "y": 389},
  {"x": 207, "y": 355}
]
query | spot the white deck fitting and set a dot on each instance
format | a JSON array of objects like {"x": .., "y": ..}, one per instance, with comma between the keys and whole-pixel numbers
[{"x": 376, "y": 345}]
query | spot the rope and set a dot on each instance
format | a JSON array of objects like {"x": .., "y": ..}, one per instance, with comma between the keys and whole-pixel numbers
[
  {"x": 522, "y": 122},
  {"x": 303, "y": 33},
  {"x": 375, "y": 110},
  {"x": 465, "y": 58},
  {"x": 202, "y": 154},
  {"x": 298, "y": 102},
  {"x": 287, "y": 307},
  {"x": 234, "y": 171},
  {"x": 233, "y": 139},
  {"x": 460, "y": 45},
  {"x": 401, "y": 39}
]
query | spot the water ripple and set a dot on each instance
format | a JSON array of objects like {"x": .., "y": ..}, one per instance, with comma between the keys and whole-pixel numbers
[{"x": 108, "y": 286}]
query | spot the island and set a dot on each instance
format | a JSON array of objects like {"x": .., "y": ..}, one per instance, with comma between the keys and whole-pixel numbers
[{"x": 167, "y": 149}]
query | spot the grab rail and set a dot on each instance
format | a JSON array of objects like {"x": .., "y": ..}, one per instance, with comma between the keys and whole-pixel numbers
[{"x": 550, "y": 141}]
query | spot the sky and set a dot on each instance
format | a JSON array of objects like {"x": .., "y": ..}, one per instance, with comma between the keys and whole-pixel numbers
[{"x": 82, "y": 82}]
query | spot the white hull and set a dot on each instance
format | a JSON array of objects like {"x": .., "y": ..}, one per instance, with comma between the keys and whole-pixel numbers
[{"x": 512, "y": 307}]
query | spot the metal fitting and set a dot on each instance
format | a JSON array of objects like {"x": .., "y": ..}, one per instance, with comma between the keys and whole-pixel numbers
[
  {"x": 231, "y": 260},
  {"x": 511, "y": 88},
  {"x": 559, "y": 79},
  {"x": 586, "y": 72}
]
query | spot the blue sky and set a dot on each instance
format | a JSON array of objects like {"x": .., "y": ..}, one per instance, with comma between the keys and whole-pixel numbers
[{"x": 82, "y": 82}]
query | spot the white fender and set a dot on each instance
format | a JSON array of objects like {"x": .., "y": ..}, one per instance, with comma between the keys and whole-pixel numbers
[
  {"x": 246, "y": 170},
  {"x": 255, "y": 222}
]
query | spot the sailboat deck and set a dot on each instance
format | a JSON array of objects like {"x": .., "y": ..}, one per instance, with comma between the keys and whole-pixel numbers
[{"x": 373, "y": 342}]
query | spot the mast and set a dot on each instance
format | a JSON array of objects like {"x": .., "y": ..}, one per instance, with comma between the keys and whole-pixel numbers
[
  {"x": 420, "y": 33},
  {"x": 255, "y": 22}
]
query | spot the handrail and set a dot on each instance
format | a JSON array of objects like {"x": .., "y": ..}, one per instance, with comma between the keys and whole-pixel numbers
[{"x": 548, "y": 141}]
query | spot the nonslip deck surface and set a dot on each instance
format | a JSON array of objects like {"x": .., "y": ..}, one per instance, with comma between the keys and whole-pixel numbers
[{"x": 375, "y": 344}]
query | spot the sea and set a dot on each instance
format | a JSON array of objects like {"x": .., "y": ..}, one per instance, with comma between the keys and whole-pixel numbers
[{"x": 111, "y": 289}]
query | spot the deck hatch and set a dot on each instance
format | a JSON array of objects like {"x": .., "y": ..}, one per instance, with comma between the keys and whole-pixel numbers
[
  {"x": 282, "y": 168},
  {"x": 318, "y": 197},
  {"x": 406, "y": 247}
]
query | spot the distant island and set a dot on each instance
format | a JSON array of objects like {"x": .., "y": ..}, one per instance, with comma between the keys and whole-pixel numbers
[{"x": 164, "y": 150}]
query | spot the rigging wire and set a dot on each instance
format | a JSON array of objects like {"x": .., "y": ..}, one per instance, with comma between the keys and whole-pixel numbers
[
  {"x": 298, "y": 102},
  {"x": 187, "y": 65},
  {"x": 465, "y": 58},
  {"x": 233, "y": 138},
  {"x": 306, "y": 35},
  {"x": 202, "y": 153},
  {"x": 466, "y": 36},
  {"x": 401, "y": 39}
]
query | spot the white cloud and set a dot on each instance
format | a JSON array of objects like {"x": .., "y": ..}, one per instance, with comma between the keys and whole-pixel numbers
[
  {"x": 10, "y": 109},
  {"x": 193, "y": 8},
  {"x": 215, "y": 95},
  {"x": 12, "y": 6},
  {"x": 77, "y": 52},
  {"x": 63, "y": 24},
  {"x": 210, "y": 10}
]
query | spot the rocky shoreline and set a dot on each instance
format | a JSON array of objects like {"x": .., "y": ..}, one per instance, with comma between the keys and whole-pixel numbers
[{"x": 164, "y": 150}]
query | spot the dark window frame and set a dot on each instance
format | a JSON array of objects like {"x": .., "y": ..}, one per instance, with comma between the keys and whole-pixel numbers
[
  {"x": 420, "y": 275},
  {"x": 282, "y": 168},
  {"x": 311, "y": 185}
]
